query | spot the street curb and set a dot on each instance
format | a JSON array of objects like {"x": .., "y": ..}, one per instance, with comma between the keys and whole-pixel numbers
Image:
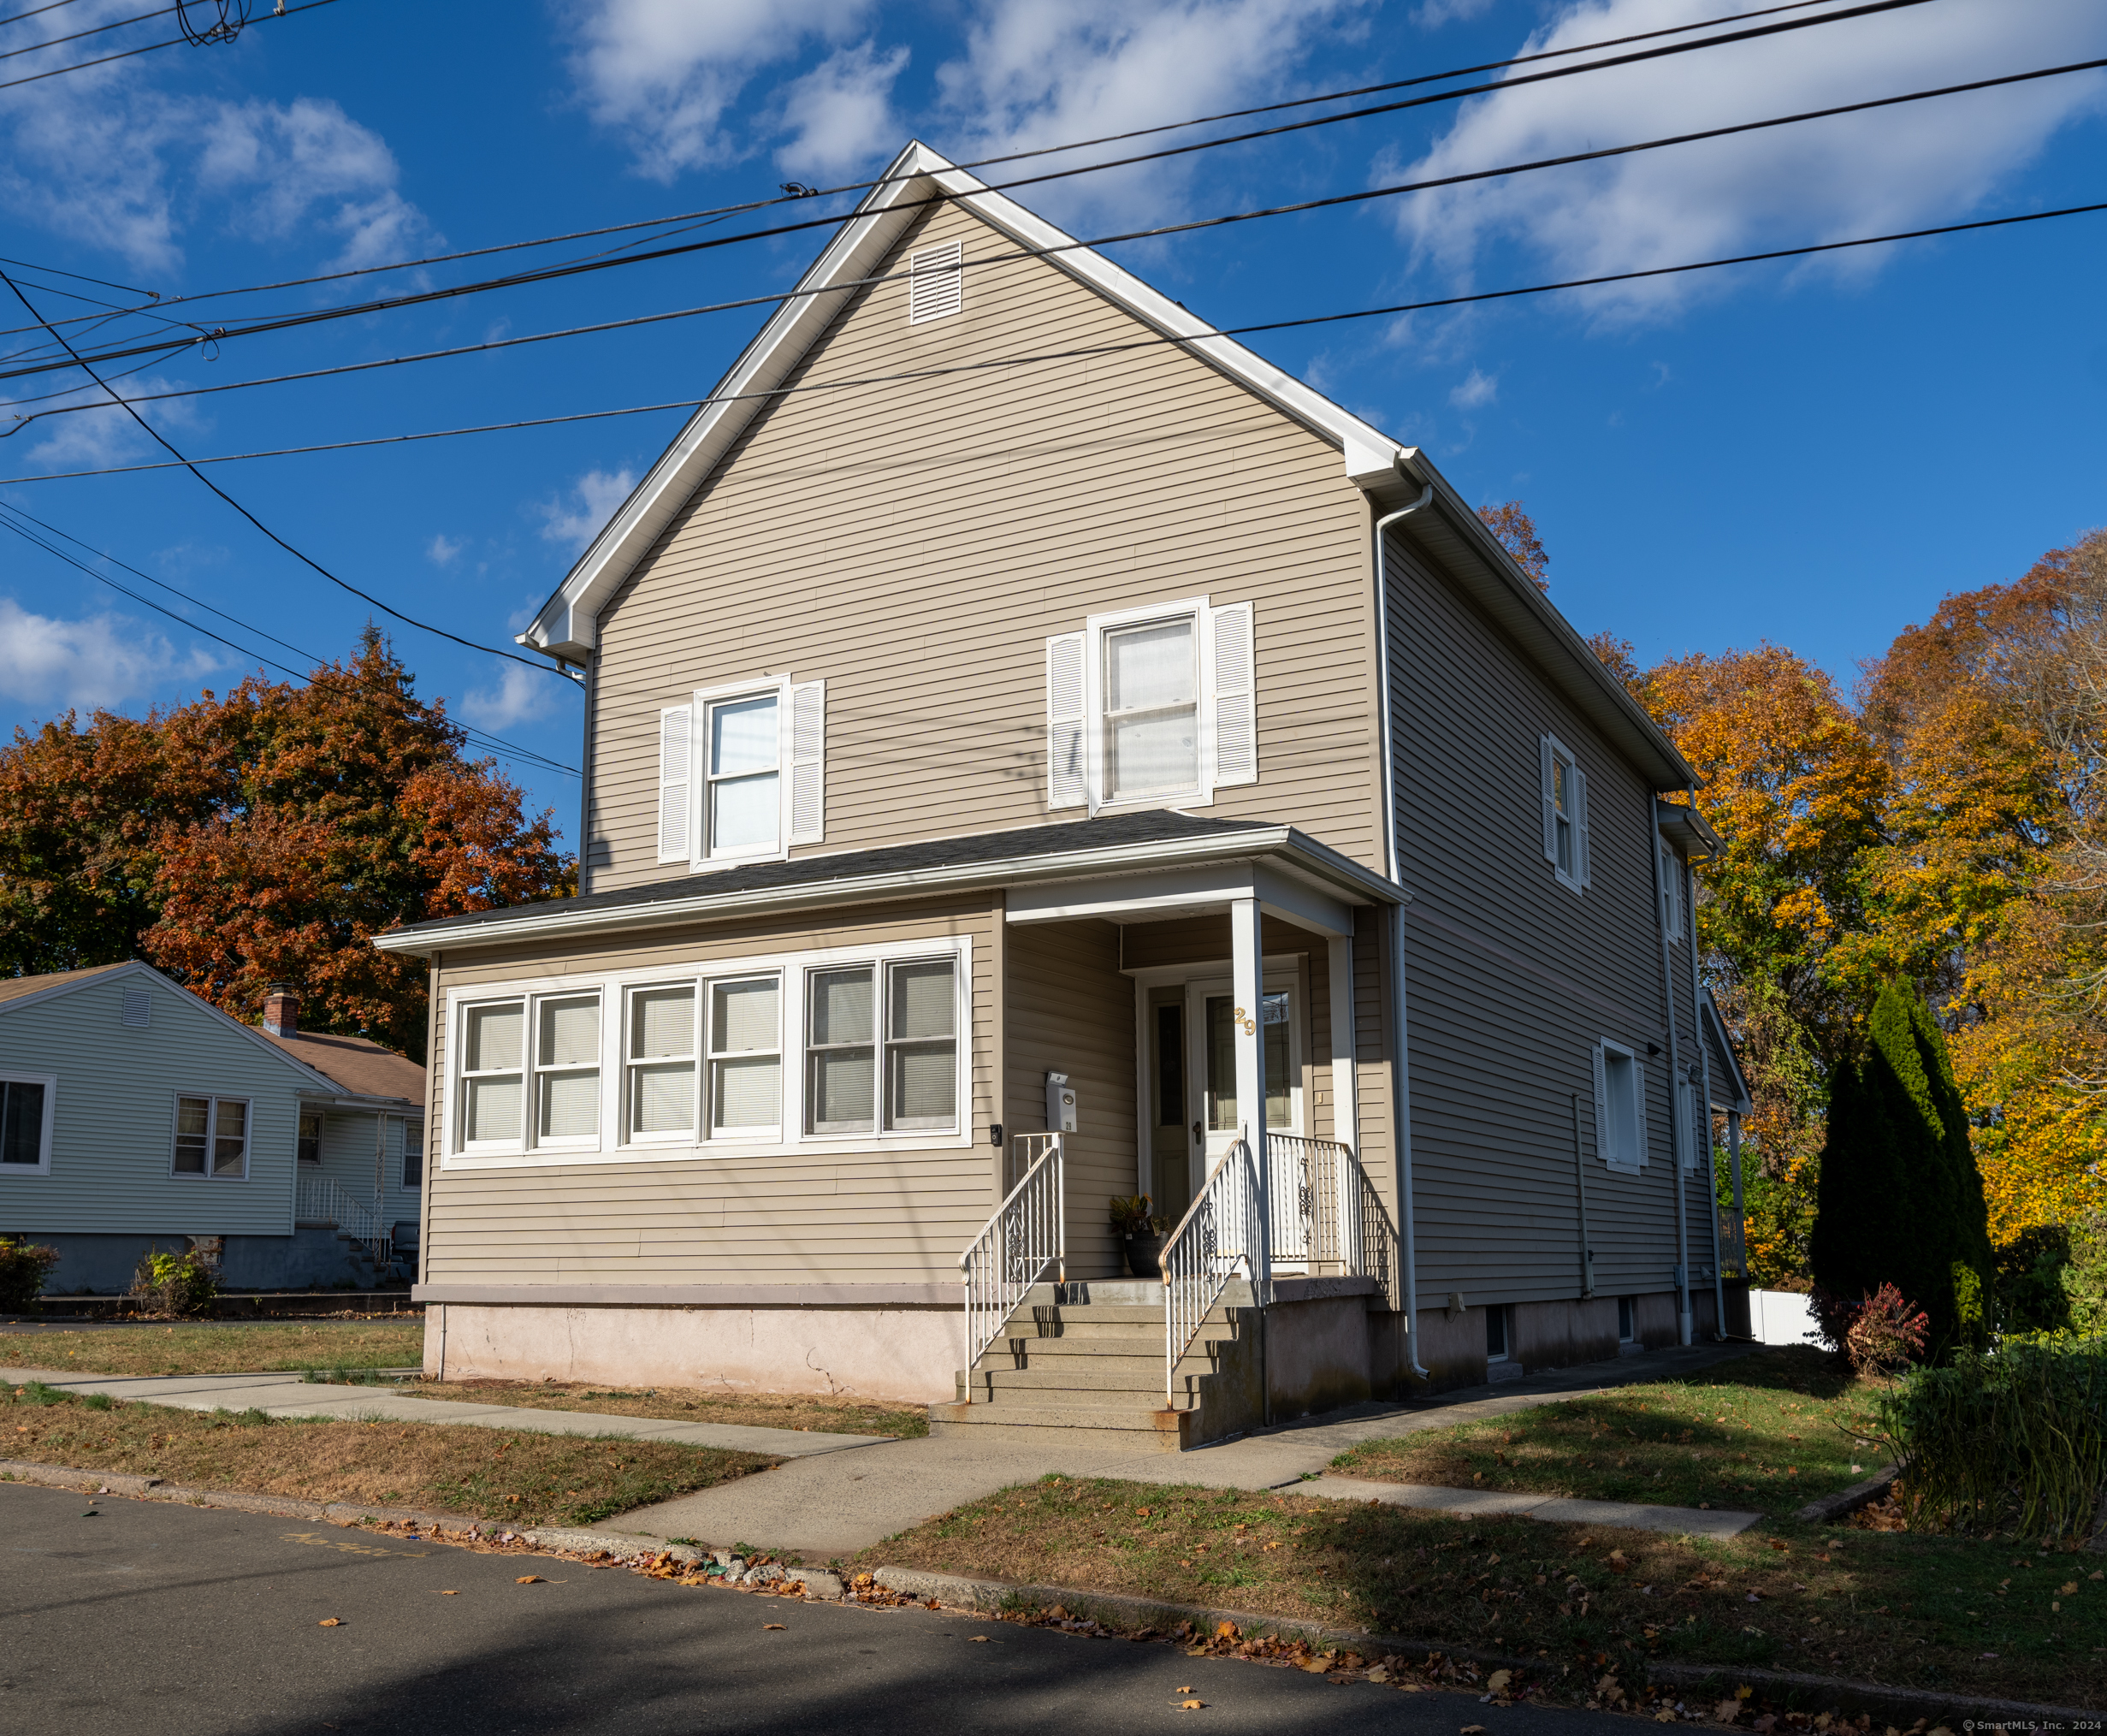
[
  {"x": 1898, "y": 1706},
  {"x": 1834, "y": 1506}
]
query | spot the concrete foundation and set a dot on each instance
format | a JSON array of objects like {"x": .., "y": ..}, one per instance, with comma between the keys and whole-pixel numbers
[
  {"x": 96, "y": 1265},
  {"x": 910, "y": 1353},
  {"x": 1539, "y": 1335}
]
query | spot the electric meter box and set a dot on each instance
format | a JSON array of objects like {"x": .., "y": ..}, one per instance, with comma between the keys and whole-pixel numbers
[{"x": 1060, "y": 1103}]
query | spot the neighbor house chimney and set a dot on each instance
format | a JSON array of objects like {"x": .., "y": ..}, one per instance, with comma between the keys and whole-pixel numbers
[{"x": 282, "y": 1011}]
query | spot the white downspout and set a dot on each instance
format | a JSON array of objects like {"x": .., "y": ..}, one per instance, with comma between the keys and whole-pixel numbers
[
  {"x": 1704, "y": 1112},
  {"x": 1401, "y": 1110},
  {"x": 1677, "y": 1079}
]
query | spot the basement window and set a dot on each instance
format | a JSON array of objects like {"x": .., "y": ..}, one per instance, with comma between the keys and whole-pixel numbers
[
  {"x": 1497, "y": 1333},
  {"x": 1626, "y": 1332}
]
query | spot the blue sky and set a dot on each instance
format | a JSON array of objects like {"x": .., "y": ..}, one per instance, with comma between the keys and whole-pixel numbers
[{"x": 1812, "y": 454}]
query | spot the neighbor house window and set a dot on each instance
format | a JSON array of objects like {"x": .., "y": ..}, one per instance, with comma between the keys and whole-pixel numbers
[
  {"x": 746, "y": 1056},
  {"x": 1686, "y": 1121},
  {"x": 26, "y": 1105},
  {"x": 1670, "y": 890},
  {"x": 212, "y": 1138},
  {"x": 1565, "y": 815},
  {"x": 1152, "y": 705},
  {"x": 309, "y": 1142},
  {"x": 413, "y": 1154},
  {"x": 1619, "y": 1106},
  {"x": 742, "y": 787}
]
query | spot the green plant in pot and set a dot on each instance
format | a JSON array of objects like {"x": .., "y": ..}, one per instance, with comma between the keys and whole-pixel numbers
[{"x": 1140, "y": 1232}]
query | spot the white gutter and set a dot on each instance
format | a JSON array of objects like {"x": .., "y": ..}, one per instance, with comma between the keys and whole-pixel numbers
[
  {"x": 1401, "y": 1110},
  {"x": 1684, "y": 1333},
  {"x": 533, "y": 922}
]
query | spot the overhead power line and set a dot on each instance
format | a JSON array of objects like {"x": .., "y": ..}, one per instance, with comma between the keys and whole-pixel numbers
[
  {"x": 9, "y": 513},
  {"x": 93, "y": 30},
  {"x": 1390, "y": 310},
  {"x": 984, "y": 261},
  {"x": 604, "y": 262},
  {"x": 308, "y": 560},
  {"x": 171, "y": 42}
]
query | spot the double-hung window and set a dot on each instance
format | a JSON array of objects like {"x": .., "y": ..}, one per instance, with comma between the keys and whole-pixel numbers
[
  {"x": 914, "y": 1022},
  {"x": 1565, "y": 815},
  {"x": 1152, "y": 705},
  {"x": 746, "y": 1057},
  {"x": 1619, "y": 1106},
  {"x": 308, "y": 1146},
  {"x": 26, "y": 1100},
  {"x": 211, "y": 1138},
  {"x": 741, "y": 772},
  {"x": 1671, "y": 889},
  {"x": 530, "y": 1073}
]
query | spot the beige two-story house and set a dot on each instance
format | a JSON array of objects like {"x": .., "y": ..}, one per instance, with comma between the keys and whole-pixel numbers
[{"x": 1036, "y": 752}]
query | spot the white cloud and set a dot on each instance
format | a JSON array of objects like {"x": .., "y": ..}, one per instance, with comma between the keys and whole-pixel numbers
[
  {"x": 1433, "y": 14},
  {"x": 443, "y": 550},
  {"x": 520, "y": 694},
  {"x": 1855, "y": 174},
  {"x": 664, "y": 71},
  {"x": 1037, "y": 72},
  {"x": 1480, "y": 388},
  {"x": 100, "y": 661},
  {"x": 596, "y": 494},
  {"x": 103, "y": 433},
  {"x": 841, "y": 112}
]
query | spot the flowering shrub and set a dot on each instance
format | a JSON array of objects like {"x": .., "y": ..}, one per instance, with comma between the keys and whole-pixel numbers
[
  {"x": 1887, "y": 1336},
  {"x": 174, "y": 1285}
]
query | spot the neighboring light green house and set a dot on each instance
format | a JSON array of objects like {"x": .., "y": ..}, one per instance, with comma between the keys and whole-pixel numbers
[{"x": 133, "y": 1116}]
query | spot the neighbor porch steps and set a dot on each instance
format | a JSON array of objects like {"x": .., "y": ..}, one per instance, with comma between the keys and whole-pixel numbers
[{"x": 1082, "y": 1365}]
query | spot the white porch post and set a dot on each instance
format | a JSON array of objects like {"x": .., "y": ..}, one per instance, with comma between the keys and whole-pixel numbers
[
  {"x": 1345, "y": 1110},
  {"x": 1247, "y": 997}
]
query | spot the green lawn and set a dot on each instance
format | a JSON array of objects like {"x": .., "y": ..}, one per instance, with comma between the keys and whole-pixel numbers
[
  {"x": 1766, "y": 1432},
  {"x": 231, "y": 1348}
]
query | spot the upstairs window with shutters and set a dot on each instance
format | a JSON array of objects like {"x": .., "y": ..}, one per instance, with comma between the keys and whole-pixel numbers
[
  {"x": 1564, "y": 816},
  {"x": 1619, "y": 1106},
  {"x": 1151, "y": 707},
  {"x": 1670, "y": 890},
  {"x": 741, "y": 773}
]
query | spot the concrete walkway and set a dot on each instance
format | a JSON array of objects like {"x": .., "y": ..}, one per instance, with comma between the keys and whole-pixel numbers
[
  {"x": 830, "y": 1507},
  {"x": 288, "y": 1396}
]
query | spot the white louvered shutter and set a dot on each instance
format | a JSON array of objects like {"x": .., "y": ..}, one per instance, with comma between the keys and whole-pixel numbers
[
  {"x": 1580, "y": 826},
  {"x": 1067, "y": 784},
  {"x": 1602, "y": 1147},
  {"x": 1638, "y": 1108},
  {"x": 1236, "y": 710},
  {"x": 675, "y": 783},
  {"x": 806, "y": 760},
  {"x": 1551, "y": 835},
  {"x": 936, "y": 284}
]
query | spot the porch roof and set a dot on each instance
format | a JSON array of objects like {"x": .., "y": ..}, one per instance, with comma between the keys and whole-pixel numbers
[{"x": 1122, "y": 844}]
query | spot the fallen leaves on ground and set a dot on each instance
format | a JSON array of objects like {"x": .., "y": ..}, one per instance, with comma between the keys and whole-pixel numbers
[
  {"x": 528, "y": 1579},
  {"x": 329, "y": 1622}
]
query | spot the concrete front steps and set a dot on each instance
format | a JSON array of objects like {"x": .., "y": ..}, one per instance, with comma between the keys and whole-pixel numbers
[{"x": 1081, "y": 1365}]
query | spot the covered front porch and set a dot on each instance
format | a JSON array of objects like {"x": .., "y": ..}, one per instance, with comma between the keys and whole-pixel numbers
[{"x": 1218, "y": 1039}]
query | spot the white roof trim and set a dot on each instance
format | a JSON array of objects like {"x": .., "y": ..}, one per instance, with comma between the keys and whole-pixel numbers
[
  {"x": 1338, "y": 872},
  {"x": 135, "y": 968},
  {"x": 565, "y": 627}
]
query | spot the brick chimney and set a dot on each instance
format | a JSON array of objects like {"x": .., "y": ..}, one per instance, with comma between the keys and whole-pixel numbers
[{"x": 282, "y": 1011}]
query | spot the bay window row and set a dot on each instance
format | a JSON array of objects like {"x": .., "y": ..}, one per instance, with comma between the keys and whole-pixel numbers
[{"x": 758, "y": 1055}]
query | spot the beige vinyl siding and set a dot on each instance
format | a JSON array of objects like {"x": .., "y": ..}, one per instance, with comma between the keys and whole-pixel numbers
[
  {"x": 1514, "y": 978},
  {"x": 113, "y": 1126},
  {"x": 915, "y": 543},
  {"x": 828, "y": 1214}
]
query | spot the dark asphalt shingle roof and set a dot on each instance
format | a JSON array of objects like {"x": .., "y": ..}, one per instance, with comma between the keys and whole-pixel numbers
[{"x": 1106, "y": 832}]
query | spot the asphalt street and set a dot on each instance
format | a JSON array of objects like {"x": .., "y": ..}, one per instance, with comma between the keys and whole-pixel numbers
[{"x": 194, "y": 1622}]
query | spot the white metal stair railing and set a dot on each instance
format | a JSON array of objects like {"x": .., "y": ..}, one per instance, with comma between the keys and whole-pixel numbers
[
  {"x": 1327, "y": 1213},
  {"x": 1223, "y": 1229},
  {"x": 1026, "y": 1237},
  {"x": 322, "y": 1200}
]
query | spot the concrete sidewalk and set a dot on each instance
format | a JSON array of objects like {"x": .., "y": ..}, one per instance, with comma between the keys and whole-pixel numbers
[
  {"x": 827, "y": 1508},
  {"x": 288, "y": 1396}
]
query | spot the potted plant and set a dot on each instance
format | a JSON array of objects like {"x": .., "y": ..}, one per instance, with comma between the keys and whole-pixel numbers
[{"x": 1141, "y": 1233}]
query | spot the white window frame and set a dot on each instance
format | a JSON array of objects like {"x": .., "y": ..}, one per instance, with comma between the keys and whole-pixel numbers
[
  {"x": 537, "y": 1069},
  {"x": 632, "y": 1064},
  {"x": 1556, "y": 753},
  {"x": 684, "y": 783},
  {"x": 706, "y": 700},
  {"x": 709, "y": 1055},
  {"x": 50, "y": 1082},
  {"x": 457, "y": 1137},
  {"x": 530, "y": 999},
  {"x": 1607, "y": 1050},
  {"x": 616, "y": 988},
  {"x": 213, "y": 1100},
  {"x": 413, "y": 1154},
  {"x": 1671, "y": 917},
  {"x": 1686, "y": 1121}
]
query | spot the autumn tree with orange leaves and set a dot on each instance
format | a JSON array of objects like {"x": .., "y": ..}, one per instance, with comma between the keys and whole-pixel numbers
[{"x": 265, "y": 836}]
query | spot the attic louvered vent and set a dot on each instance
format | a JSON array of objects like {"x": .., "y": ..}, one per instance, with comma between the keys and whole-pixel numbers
[
  {"x": 936, "y": 286},
  {"x": 139, "y": 1009}
]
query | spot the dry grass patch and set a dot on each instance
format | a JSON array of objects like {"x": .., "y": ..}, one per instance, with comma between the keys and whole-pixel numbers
[
  {"x": 234, "y": 1348},
  {"x": 1766, "y": 1432},
  {"x": 761, "y": 1410},
  {"x": 481, "y": 1473},
  {"x": 1924, "y": 1612}
]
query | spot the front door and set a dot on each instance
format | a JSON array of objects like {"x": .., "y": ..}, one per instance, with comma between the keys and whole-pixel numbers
[
  {"x": 1174, "y": 1149},
  {"x": 1211, "y": 1016}
]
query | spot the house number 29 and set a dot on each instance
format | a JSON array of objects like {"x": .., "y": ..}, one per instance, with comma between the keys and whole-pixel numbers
[{"x": 1250, "y": 1027}]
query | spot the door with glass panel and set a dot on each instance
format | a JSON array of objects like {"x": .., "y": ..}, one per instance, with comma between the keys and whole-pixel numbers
[
  {"x": 1175, "y": 1135},
  {"x": 1212, "y": 1011}
]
